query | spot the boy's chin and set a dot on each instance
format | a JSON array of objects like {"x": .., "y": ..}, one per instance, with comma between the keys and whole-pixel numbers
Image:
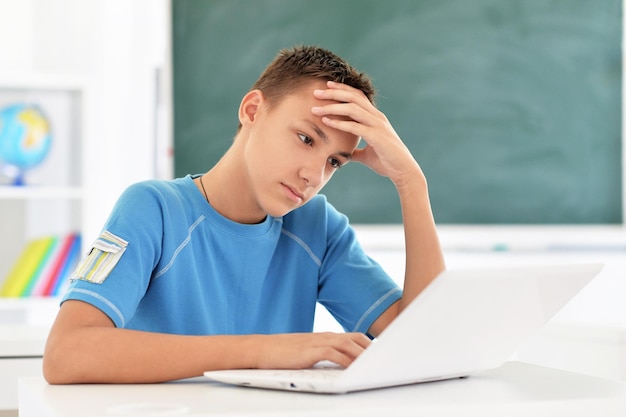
[{"x": 283, "y": 211}]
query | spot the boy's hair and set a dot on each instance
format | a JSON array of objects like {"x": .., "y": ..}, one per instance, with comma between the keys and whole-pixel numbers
[{"x": 296, "y": 66}]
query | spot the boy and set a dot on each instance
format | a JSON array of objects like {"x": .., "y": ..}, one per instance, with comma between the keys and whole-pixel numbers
[{"x": 223, "y": 270}]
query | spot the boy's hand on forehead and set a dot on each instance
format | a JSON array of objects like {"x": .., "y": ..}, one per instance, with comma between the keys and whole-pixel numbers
[{"x": 385, "y": 153}]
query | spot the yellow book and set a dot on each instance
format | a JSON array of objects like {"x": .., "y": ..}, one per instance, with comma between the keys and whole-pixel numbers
[
  {"x": 25, "y": 267},
  {"x": 43, "y": 266}
]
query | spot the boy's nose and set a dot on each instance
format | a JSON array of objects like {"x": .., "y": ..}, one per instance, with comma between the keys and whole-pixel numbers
[{"x": 313, "y": 174}]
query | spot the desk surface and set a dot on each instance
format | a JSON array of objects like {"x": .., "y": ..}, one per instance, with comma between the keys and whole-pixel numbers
[{"x": 515, "y": 389}]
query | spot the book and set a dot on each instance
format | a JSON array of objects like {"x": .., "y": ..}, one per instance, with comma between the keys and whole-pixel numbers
[
  {"x": 49, "y": 281},
  {"x": 25, "y": 267},
  {"x": 43, "y": 268},
  {"x": 70, "y": 262}
]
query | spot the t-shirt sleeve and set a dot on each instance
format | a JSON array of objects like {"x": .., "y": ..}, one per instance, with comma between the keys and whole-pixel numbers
[
  {"x": 353, "y": 287},
  {"x": 116, "y": 270}
]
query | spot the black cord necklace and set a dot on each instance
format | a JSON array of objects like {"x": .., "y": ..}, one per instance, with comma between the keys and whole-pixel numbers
[{"x": 203, "y": 190}]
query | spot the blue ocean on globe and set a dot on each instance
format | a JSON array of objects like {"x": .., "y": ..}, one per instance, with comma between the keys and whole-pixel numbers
[{"x": 25, "y": 139}]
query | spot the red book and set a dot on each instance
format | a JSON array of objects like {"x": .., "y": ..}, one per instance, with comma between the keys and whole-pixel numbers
[{"x": 60, "y": 260}]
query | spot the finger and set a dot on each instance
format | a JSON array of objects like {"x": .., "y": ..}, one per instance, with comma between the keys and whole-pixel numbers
[
  {"x": 340, "y": 86},
  {"x": 368, "y": 157},
  {"x": 334, "y": 355},
  {"x": 350, "y": 126},
  {"x": 351, "y": 111},
  {"x": 351, "y": 344},
  {"x": 342, "y": 92},
  {"x": 361, "y": 339},
  {"x": 344, "y": 96}
]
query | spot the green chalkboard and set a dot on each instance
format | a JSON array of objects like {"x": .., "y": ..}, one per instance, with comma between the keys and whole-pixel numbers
[{"x": 511, "y": 107}]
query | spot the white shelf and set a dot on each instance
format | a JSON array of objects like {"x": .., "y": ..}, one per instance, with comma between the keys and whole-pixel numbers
[
  {"x": 25, "y": 81},
  {"x": 8, "y": 192},
  {"x": 22, "y": 340},
  {"x": 27, "y": 311},
  {"x": 52, "y": 201}
]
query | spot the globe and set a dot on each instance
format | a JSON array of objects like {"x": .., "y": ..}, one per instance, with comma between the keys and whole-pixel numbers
[{"x": 25, "y": 139}]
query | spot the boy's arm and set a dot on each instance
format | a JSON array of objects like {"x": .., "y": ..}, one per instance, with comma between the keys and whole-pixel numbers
[
  {"x": 424, "y": 257},
  {"x": 387, "y": 155},
  {"x": 85, "y": 347}
]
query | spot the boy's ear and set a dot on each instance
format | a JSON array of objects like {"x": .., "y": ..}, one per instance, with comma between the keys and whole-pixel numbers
[{"x": 250, "y": 106}]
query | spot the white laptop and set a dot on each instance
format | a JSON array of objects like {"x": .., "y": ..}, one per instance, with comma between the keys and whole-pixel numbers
[{"x": 465, "y": 321}]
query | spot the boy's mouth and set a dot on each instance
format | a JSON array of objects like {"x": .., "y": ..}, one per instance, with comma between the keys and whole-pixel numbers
[{"x": 293, "y": 194}]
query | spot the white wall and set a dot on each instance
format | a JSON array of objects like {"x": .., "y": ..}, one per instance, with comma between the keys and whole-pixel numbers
[{"x": 116, "y": 48}]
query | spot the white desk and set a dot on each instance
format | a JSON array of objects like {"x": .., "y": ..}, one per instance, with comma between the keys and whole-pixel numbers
[
  {"x": 24, "y": 327},
  {"x": 21, "y": 352},
  {"x": 515, "y": 389}
]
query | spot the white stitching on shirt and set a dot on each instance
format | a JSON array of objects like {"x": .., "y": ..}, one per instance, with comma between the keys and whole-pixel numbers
[
  {"x": 372, "y": 307},
  {"x": 303, "y": 245},
  {"x": 180, "y": 247},
  {"x": 104, "y": 300}
]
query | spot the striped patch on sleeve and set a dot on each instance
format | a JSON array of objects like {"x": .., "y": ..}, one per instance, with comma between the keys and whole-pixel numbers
[{"x": 105, "y": 253}]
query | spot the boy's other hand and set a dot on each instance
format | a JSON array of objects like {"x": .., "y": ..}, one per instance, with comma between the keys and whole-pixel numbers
[{"x": 303, "y": 350}]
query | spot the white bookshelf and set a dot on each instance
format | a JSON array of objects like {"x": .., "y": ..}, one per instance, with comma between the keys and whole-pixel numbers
[
  {"x": 109, "y": 57},
  {"x": 52, "y": 201},
  {"x": 8, "y": 193}
]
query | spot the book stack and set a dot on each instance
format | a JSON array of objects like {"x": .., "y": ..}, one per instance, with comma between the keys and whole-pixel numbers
[{"x": 44, "y": 267}]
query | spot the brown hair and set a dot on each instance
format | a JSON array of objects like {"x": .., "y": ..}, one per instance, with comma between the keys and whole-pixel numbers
[{"x": 295, "y": 66}]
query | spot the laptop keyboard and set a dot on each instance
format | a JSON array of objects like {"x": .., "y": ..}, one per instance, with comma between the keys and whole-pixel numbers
[{"x": 313, "y": 373}]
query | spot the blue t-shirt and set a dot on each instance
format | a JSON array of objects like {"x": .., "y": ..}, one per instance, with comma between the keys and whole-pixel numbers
[{"x": 167, "y": 262}]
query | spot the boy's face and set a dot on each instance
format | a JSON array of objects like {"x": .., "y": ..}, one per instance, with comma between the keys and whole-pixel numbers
[{"x": 290, "y": 154}]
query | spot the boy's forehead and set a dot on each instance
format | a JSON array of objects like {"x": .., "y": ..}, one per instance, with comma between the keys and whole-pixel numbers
[
  {"x": 302, "y": 100},
  {"x": 299, "y": 101},
  {"x": 304, "y": 94},
  {"x": 306, "y": 88},
  {"x": 298, "y": 104}
]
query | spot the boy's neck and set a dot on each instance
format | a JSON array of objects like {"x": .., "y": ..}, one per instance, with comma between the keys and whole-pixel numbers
[{"x": 228, "y": 191}]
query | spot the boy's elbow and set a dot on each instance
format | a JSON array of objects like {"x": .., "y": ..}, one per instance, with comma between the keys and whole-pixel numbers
[
  {"x": 57, "y": 368},
  {"x": 51, "y": 375},
  {"x": 53, "y": 371},
  {"x": 68, "y": 356}
]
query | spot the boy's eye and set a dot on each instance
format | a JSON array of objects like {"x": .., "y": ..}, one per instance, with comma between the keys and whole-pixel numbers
[
  {"x": 335, "y": 163},
  {"x": 305, "y": 139}
]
